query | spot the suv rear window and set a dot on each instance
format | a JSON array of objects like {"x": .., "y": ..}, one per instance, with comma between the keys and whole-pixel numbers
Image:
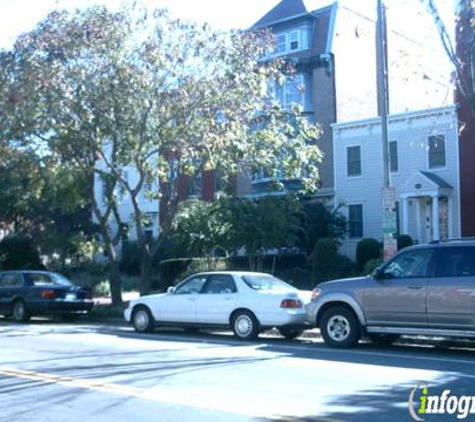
[{"x": 456, "y": 262}]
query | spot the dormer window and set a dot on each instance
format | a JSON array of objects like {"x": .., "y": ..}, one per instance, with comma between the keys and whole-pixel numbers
[
  {"x": 294, "y": 41},
  {"x": 291, "y": 41},
  {"x": 280, "y": 44}
]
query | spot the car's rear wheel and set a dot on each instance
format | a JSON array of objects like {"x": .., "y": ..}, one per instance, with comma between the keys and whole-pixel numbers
[
  {"x": 20, "y": 311},
  {"x": 339, "y": 327},
  {"x": 384, "y": 339},
  {"x": 290, "y": 332},
  {"x": 142, "y": 320},
  {"x": 245, "y": 325}
]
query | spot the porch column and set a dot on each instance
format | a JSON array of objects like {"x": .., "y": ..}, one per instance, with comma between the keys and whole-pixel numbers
[
  {"x": 450, "y": 217},
  {"x": 419, "y": 222},
  {"x": 405, "y": 216},
  {"x": 435, "y": 218}
]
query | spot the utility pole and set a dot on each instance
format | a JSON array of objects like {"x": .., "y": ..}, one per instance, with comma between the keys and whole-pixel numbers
[{"x": 388, "y": 193}]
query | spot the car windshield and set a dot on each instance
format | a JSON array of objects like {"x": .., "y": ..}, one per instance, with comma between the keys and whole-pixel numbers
[
  {"x": 48, "y": 279},
  {"x": 266, "y": 283}
]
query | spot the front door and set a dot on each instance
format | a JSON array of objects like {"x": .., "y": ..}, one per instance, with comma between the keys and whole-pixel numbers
[
  {"x": 217, "y": 299},
  {"x": 180, "y": 306},
  {"x": 399, "y": 298},
  {"x": 451, "y": 293}
]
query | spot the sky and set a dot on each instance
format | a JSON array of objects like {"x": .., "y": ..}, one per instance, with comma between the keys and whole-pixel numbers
[{"x": 18, "y": 16}]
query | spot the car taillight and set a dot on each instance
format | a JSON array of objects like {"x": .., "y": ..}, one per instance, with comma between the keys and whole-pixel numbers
[
  {"x": 291, "y": 304},
  {"x": 48, "y": 294}
]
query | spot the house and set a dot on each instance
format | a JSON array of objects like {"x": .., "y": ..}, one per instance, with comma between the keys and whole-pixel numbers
[
  {"x": 423, "y": 163},
  {"x": 333, "y": 51}
]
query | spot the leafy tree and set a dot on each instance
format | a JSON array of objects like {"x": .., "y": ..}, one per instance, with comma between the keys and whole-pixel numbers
[
  {"x": 262, "y": 225},
  {"x": 317, "y": 222},
  {"x": 200, "y": 227},
  {"x": 168, "y": 98}
]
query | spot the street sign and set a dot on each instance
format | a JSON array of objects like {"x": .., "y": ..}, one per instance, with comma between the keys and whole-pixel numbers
[
  {"x": 388, "y": 196},
  {"x": 390, "y": 247}
]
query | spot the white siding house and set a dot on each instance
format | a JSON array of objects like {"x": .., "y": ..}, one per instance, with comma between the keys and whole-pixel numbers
[{"x": 423, "y": 158}]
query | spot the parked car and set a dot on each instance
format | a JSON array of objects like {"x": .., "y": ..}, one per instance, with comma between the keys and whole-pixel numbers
[
  {"x": 27, "y": 293},
  {"x": 248, "y": 302},
  {"x": 423, "y": 290}
]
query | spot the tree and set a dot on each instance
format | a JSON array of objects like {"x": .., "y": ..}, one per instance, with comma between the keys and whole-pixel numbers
[
  {"x": 105, "y": 90},
  {"x": 463, "y": 59},
  {"x": 261, "y": 225},
  {"x": 317, "y": 222}
]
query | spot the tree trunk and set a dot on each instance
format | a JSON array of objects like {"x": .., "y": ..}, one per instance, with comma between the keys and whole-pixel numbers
[
  {"x": 145, "y": 272},
  {"x": 115, "y": 283}
]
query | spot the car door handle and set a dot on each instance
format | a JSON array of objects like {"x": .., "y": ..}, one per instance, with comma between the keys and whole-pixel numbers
[{"x": 415, "y": 287}]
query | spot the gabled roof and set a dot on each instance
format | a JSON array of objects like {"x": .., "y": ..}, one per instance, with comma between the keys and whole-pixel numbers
[
  {"x": 285, "y": 10},
  {"x": 441, "y": 183}
]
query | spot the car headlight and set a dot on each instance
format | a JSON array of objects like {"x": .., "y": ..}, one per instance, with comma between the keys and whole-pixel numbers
[{"x": 316, "y": 292}]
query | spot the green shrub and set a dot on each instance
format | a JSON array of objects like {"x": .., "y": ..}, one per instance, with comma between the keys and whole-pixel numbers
[
  {"x": 17, "y": 252},
  {"x": 371, "y": 265},
  {"x": 324, "y": 255},
  {"x": 403, "y": 241},
  {"x": 102, "y": 289},
  {"x": 365, "y": 250}
]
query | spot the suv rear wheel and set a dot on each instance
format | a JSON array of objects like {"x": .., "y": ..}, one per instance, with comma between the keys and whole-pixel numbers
[{"x": 339, "y": 327}]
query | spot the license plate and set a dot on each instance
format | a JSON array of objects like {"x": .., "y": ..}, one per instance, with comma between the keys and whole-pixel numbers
[{"x": 71, "y": 296}]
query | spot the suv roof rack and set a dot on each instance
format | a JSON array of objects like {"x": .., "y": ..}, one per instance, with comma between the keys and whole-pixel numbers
[{"x": 460, "y": 239}]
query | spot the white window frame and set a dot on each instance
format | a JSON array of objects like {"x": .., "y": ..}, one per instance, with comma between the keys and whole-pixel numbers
[
  {"x": 440, "y": 134},
  {"x": 362, "y": 221},
  {"x": 353, "y": 176}
]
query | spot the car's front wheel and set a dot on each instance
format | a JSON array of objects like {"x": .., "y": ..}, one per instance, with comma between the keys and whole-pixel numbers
[
  {"x": 20, "y": 311},
  {"x": 339, "y": 327},
  {"x": 142, "y": 320},
  {"x": 245, "y": 325},
  {"x": 290, "y": 332}
]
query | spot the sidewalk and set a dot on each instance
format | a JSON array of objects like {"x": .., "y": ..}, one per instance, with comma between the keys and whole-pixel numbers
[{"x": 126, "y": 297}]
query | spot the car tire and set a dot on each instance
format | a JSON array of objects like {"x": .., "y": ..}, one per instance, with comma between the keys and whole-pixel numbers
[
  {"x": 290, "y": 333},
  {"x": 142, "y": 320},
  {"x": 245, "y": 325},
  {"x": 384, "y": 339},
  {"x": 20, "y": 311},
  {"x": 340, "y": 327}
]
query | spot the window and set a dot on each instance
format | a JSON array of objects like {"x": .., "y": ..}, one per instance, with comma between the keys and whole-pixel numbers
[
  {"x": 219, "y": 284},
  {"x": 353, "y": 155},
  {"x": 393, "y": 157},
  {"x": 355, "y": 221},
  {"x": 11, "y": 280},
  {"x": 44, "y": 279},
  {"x": 280, "y": 44},
  {"x": 191, "y": 286},
  {"x": 456, "y": 262},
  {"x": 409, "y": 265},
  {"x": 294, "y": 40},
  {"x": 289, "y": 42},
  {"x": 266, "y": 282},
  {"x": 436, "y": 151},
  {"x": 291, "y": 92},
  {"x": 195, "y": 186}
]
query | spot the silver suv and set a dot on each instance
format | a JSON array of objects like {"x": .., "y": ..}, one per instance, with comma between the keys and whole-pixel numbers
[{"x": 423, "y": 290}]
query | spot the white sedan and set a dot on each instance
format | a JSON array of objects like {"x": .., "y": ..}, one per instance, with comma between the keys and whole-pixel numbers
[{"x": 247, "y": 302}]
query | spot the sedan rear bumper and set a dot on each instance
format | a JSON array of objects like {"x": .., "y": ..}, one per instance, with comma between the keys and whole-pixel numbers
[{"x": 57, "y": 307}]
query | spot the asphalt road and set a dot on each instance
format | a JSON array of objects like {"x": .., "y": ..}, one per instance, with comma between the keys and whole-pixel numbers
[{"x": 52, "y": 371}]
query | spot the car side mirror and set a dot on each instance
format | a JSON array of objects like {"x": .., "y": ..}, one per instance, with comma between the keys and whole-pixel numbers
[
  {"x": 378, "y": 274},
  {"x": 171, "y": 290}
]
